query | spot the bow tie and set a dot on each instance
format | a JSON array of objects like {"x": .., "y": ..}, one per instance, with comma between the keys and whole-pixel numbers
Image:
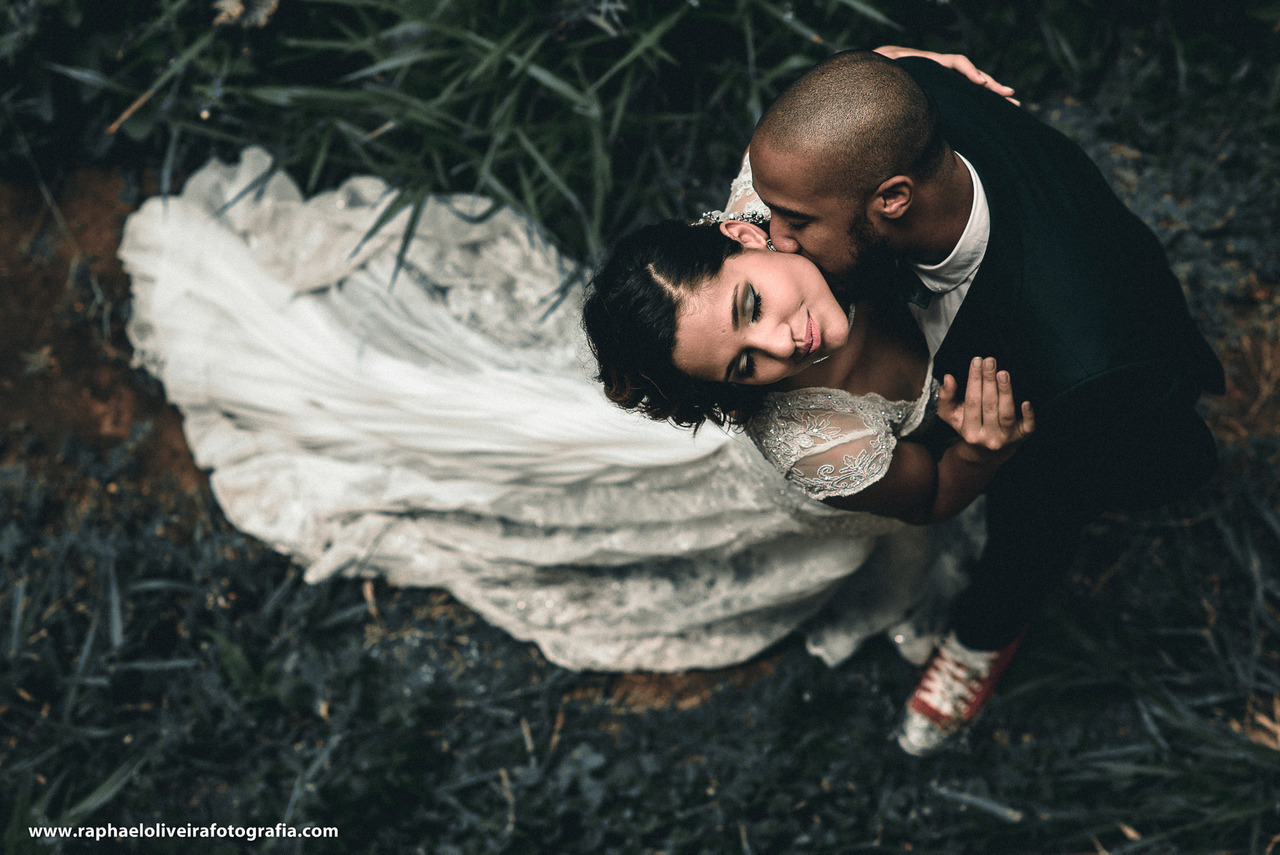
[{"x": 915, "y": 291}]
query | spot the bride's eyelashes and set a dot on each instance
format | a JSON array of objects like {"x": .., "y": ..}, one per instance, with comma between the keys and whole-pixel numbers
[{"x": 746, "y": 365}]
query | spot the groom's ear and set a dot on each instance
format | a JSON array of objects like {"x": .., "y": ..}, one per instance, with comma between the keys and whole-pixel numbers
[
  {"x": 748, "y": 234},
  {"x": 892, "y": 198}
]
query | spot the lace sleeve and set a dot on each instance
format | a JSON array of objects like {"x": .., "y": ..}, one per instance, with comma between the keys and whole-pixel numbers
[{"x": 827, "y": 442}]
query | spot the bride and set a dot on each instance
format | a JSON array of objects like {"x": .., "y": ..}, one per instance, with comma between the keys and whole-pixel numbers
[{"x": 439, "y": 426}]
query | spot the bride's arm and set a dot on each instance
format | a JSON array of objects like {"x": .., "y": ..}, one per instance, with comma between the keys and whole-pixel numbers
[
  {"x": 990, "y": 425},
  {"x": 955, "y": 61}
]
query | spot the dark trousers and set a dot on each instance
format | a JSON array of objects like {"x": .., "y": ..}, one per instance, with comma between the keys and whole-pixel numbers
[{"x": 1041, "y": 499}]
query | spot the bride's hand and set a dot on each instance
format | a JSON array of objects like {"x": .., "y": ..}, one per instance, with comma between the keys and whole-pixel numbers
[
  {"x": 956, "y": 61},
  {"x": 988, "y": 419}
]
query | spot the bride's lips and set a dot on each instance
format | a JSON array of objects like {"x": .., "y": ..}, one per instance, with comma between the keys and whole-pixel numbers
[{"x": 812, "y": 338}]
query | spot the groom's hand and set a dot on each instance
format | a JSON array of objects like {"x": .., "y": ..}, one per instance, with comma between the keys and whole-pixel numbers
[{"x": 987, "y": 419}]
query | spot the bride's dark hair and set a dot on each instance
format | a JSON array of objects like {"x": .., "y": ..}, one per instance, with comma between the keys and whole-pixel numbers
[{"x": 630, "y": 318}]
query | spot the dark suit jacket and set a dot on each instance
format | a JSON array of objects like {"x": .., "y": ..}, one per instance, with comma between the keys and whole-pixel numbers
[{"x": 1074, "y": 296}]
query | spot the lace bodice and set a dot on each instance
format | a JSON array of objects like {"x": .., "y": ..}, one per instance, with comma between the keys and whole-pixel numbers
[{"x": 833, "y": 443}]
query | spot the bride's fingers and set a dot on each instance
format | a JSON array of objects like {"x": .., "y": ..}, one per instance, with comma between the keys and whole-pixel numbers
[
  {"x": 986, "y": 80},
  {"x": 965, "y": 66},
  {"x": 990, "y": 393},
  {"x": 948, "y": 406},
  {"x": 1008, "y": 410},
  {"x": 1028, "y": 418},
  {"x": 973, "y": 395},
  {"x": 947, "y": 392},
  {"x": 957, "y": 61}
]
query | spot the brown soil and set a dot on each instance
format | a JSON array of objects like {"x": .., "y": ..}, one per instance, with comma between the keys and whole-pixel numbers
[{"x": 64, "y": 361}]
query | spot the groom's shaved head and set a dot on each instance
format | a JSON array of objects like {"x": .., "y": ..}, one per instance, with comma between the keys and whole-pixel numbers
[{"x": 860, "y": 118}]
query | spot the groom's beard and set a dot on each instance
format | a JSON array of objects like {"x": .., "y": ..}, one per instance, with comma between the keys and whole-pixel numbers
[{"x": 873, "y": 275}]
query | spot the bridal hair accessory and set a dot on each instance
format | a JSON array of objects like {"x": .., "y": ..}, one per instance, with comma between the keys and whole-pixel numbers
[{"x": 756, "y": 218}]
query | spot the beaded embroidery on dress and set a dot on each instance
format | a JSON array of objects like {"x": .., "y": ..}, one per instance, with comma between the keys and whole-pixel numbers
[
  {"x": 832, "y": 443},
  {"x": 440, "y": 427}
]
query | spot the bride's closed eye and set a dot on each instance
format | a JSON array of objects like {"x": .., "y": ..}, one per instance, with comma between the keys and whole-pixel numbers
[
  {"x": 745, "y": 366},
  {"x": 754, "y": 297}
]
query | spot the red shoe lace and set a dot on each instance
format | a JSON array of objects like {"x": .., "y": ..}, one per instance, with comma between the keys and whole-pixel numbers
[{"x": 959, "y": 682}]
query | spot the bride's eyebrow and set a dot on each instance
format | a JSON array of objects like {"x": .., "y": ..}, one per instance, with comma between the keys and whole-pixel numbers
[
  {"x": 736, "y": 316},
  {"x": 733, "y": 368}
]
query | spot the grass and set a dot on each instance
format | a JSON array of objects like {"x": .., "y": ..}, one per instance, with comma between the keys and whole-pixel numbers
[{"x": 161, "y": 667}]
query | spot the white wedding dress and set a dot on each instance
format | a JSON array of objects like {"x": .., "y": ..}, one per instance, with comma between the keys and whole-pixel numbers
[{"x": 438, "y": 427}]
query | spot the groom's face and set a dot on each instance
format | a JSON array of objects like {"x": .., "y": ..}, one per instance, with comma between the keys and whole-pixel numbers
[{"x": 811, "y": 215}]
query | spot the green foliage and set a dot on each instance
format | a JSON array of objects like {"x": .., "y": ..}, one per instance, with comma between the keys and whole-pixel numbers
[
  {"x": 586, "y": 115},
  {"x": 159, "y": 666},
  {"x": 589, "y": 115}
]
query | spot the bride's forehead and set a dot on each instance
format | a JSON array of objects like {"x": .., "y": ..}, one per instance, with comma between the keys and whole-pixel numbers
[
  {"x": 706, "y": 295},
  {"x": 707, "y": 289}
]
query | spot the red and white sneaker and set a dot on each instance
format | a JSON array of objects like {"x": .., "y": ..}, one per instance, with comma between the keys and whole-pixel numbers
[{"x": 954, "y": 689}]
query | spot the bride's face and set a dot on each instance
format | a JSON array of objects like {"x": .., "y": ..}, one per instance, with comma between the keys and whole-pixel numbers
[{"x": 766, "y": 316}]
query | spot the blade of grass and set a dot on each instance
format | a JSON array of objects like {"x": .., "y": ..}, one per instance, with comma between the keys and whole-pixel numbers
[
  {"x": 173, "y": 69},
  {"x": 16, "y": 606},
  {"x": 395, "y": 63},
  {"x": 115, "y": 616},
  {"x": 550, "y": 173},
  {"x": 649, "y": 42},
  {"x": 88, "y": 77},
  {"x": 419, "y": 201},
  {"x": 103, "y": 793},
  {"x": 82, "y": 663},
  {"x": 871, "y": 12}
]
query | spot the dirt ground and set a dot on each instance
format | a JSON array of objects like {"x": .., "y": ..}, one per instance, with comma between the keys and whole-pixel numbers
[{"x": 64, "y": 361}]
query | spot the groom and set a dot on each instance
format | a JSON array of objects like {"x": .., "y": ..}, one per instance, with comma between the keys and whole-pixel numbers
[{"x": 1008, "y": 242}]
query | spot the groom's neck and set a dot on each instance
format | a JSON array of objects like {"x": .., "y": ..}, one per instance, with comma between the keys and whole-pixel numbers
[{"x": 939, "y": 213}]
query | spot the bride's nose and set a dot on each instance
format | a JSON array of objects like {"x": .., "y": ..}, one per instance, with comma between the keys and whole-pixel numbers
[{"x": 775, "y": 340}]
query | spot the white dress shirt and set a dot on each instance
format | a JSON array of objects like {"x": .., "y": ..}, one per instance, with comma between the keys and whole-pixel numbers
[{"x": 950, "y": 278}]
